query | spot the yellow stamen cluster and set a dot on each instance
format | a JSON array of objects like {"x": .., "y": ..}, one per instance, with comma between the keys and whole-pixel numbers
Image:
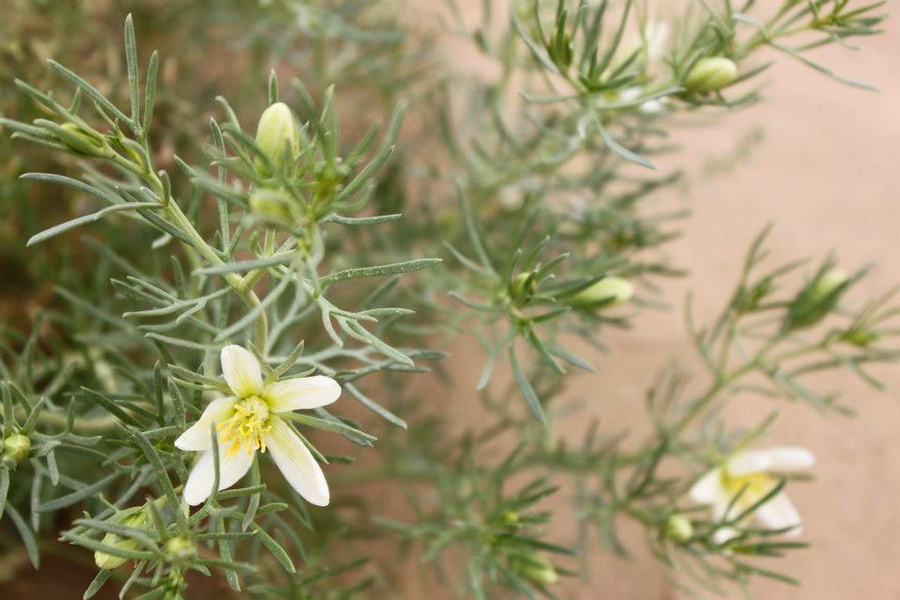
[
  {"x": 246, "y": 426},
  {"x": 752, "y": 486}
]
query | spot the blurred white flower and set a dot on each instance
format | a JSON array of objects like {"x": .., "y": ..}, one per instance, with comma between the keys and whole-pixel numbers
[
  {"x": 656, "y": 41},
  {"x": 747, "y": 477},
  {"x": 649, "y": 107},
  {"x": 250, "y": 421}
]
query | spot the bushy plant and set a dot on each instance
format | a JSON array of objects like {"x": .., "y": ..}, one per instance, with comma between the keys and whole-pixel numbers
[{"x": 222, "y": 303}]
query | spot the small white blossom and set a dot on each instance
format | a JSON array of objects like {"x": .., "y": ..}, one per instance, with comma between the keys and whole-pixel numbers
[
  {"x": 748, "y": 476},
  {"x": 250, "y": 421}
]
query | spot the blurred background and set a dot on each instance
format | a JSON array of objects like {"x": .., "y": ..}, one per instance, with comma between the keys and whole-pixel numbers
[{"x": 817, "y": 159}]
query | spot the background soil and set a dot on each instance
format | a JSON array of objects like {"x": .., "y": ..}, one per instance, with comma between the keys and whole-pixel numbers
[{"x": 825, "y": 169}]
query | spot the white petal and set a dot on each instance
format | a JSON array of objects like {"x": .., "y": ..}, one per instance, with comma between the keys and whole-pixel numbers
[
  {"x": 724, "y": 534},
  {"x": 231, "y": 468},
  {"x": 779, "y": 513},
  {"x": 296, "y": 463},
  {"x": 779, "y": 458},
  {"x": 198, "y": 437},
  {"x": 301, "y": 393},
  {"x": 708, "y": 489},
  {"x": 748, "y": 461},
  {"x": 241, "y": 371},
  {"x": 791, "y": 458}
]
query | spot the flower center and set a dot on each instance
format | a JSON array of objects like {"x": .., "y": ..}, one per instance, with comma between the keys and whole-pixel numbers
[
  {"x": 246, "y": 426},
  {"x": 752, "y": 487}
]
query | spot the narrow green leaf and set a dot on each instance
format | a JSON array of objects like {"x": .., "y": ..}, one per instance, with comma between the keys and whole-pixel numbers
[
  {"x": 525, "y": 387},
  {"x": 380, "y": 270},
  {"x": 275, "y": 548},
  {"x": 134, "y": 84},
  {"x": 351, "y": 433},
  {"x": 26, "y": 534},
  {"x": 96, "y": 584},
  {"x": 91, "y": 91},
  {"x": 79, "y": 221}
]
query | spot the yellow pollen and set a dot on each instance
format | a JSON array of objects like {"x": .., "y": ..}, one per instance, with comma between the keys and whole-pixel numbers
[
  {"x": 246, "y": 427},
  {"x": 752, "y": 487}
]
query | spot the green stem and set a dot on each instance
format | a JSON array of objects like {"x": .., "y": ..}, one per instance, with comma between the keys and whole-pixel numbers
[{"x": 177, "y": 218}]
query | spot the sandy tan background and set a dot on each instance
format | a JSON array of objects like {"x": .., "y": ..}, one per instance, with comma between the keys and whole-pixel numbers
[{"x": 827, "y": 173}]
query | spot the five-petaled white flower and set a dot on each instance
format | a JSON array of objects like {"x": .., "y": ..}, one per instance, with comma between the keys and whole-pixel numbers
[
  {"x": 744, "y": 479},
  {"x": 250, "y": 421}
]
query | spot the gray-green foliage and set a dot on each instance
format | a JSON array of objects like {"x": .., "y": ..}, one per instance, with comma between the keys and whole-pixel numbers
[{"x": 355, "y": 256}]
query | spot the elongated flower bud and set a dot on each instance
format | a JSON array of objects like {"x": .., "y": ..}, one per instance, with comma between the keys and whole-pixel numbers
[
  {"x": 536, "y": 569},
  {"x": 710, "y": 74},
  {"x": 80, "y": 142},
  {"x": 609, "y": 291},
  {"x": 277, "y": 134},
  {"x": 828, "y": 283},
  {"x": 133, "y": 517},
  {"x": 817, "y": 299}
]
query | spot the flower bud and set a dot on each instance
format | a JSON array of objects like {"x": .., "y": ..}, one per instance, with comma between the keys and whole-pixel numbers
[
  {"x": 710, "y": 74},
  {"x": 15, "y": 449},
  {"x": 828, "y": 282},
  {"x": 679, "y": 529},
  {"x": 817, "y": 299},
  {"x": 523, "y": 286},
  {"x": 609, "y": 291},
  {"x": 277, "y": 134},
  {"x": 860, "y": 337},
  {"x": 80, "y": 141},
  {"x": 133, "y": 517},
  {"x": 536, "y": 569},
  {"x": 179, "y": 549},
  {"x": 273, "y": 203},
  {"x": 510, "y": 518}
]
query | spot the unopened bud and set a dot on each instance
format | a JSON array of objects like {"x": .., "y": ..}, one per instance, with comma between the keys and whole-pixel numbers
[
  {"x": 710, "y": 74},
  {"x": 510, "y": 518},
  {"x": 15, "y": 449},
  {"x": 133, "y": 517},
  {"x": 816, "y": 300},
  {"x": 274, "y": 203},
  {"x": 678, "y": 529},
  {"x": 536, "y": 569},
  {"x": 860, "y": 337},
  {"x": 609, "y": 291},
  {"x": 179, "y": 549},
  {"x": 522, "y": 286},
  {"x": 828, "y": 282},
  {"x": 277, "y": 134},
  {"x": 81, "y": 142}
]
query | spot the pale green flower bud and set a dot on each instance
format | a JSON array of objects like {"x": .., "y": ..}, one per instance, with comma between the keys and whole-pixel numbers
[
  {"x": 829, "y": 282},
  {"x": 133, "y": 517},
  {"x": 536, "y": 569},
  {"x": 15, "y": 449},
  {"x": 268, "y": 202},
  {"x": 523, "y": 286},
  {"x": 679, "y": 529},
  {"x": 609, "y": 291},
  {"x": 81, "y": 142},
  {"x": 277, "y": 134},
  {"x": 179, "y": 549},
  {"x": 710, "y": 74},
  {"x": 817, "y": 299}
]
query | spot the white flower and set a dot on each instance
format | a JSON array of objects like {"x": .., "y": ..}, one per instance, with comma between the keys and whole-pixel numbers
[
  {"x": 250, "y": 421},
  {"x": 650, "y": 107},
  {"x": 655, "y": 35},
  {"x": 748, "y": 477}
]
